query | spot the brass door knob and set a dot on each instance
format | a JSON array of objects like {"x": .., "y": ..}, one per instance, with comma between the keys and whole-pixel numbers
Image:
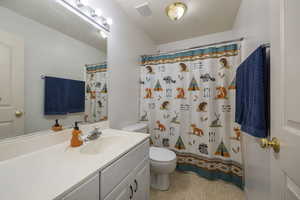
[
  {"x": 18, "y": 113},
  {"x": 274, "y": 143}
]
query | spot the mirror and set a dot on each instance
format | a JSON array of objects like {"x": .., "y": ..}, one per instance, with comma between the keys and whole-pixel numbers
[{"x": 53, "y": 66}]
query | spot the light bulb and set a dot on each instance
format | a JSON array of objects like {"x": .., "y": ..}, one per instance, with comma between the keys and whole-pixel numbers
[
  {"x": 98, "y": 12},
  {"x": 179, "y": 12},
  {"x": 109, "y": 21},
  {"x": 81, "y": 3},
  {"x": 103, "y": 34}
]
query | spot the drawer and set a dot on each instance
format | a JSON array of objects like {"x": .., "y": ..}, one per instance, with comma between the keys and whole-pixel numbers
[{"x": 116, "y": 172}]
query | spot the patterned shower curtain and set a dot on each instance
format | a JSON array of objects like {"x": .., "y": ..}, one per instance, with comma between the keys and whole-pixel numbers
[
  {"x": 188, "y": 100},
  {"x": 96, "y": 93}
]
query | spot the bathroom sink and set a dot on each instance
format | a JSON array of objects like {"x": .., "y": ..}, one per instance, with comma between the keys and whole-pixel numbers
[{"x": 103, "y": 144}]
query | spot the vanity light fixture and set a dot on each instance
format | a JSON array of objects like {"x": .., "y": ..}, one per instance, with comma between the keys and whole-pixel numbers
[
  {"x": 176, "y": 10},
  {"x": 87, "y": 13},
  {"x": 82, "y": 3}
]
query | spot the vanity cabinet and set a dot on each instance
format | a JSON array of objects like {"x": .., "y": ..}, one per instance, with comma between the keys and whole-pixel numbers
[
  {"x": 135, "y": 186},
  {"x": 127, "y": 178},
  {"x": 87, "y": 191},
  {"x": 141, "y": 182},
  {"x": 124, "y": 169}
]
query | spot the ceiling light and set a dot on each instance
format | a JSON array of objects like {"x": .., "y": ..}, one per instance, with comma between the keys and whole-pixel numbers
[{"x": 176, "y": 10}]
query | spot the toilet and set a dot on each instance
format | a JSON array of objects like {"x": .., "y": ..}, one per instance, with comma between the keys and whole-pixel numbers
[{"x": 162, "y": 160}]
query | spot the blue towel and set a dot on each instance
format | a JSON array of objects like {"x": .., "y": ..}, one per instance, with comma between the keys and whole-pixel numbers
[
  {"x": 76, "y": 96},
  {"x": 63, "y": 96},
  {"x": 56, "y": 98},
  {"x": 252, "y": 94}
]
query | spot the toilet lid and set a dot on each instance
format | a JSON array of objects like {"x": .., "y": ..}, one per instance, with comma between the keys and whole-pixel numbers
[{"x": 161, "y": 154}]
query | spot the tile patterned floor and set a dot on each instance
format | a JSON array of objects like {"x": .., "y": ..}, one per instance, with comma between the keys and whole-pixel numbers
[{"x": 189, "y": 186}]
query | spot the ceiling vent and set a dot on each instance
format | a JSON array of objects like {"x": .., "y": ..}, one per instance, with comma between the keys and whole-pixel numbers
[{"x": 144, "y": 9}]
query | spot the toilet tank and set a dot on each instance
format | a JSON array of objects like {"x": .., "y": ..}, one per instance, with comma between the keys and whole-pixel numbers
[{"x": 139, "y": 127}]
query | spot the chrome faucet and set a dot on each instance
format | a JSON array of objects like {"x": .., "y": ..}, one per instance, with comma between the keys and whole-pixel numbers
[{"x": 95, "y": 134}]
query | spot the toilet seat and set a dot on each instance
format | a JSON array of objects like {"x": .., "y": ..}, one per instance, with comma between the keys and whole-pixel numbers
[{"x": 161, "y": 154}]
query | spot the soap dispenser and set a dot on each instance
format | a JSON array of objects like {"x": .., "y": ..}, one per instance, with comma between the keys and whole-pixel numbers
[
  {"x": 57, "y": 126},
  {"x": 76, "y": 141}
]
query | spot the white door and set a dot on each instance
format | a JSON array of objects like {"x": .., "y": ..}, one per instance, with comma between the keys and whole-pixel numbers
[
  {"x": 285, "y": 99},
  {"x": 11, "y": 85}
]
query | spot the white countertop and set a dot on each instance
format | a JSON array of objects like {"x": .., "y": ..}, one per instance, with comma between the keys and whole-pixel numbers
[{"x": 51, "y": 172}]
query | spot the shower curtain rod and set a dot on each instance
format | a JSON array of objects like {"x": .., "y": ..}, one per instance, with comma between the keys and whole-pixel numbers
[
  {"x": 201, "y": 46},
  {"x": 95, "y": 64},
  {"x": 266, "y": 45}
]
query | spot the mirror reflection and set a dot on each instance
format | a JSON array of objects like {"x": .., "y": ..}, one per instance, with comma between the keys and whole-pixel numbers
[
  {"x": 63, "y": 61},
  {"x": 96, "y": 93}
]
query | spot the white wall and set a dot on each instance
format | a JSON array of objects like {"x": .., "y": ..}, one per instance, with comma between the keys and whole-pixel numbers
[
  {"x": 253, "y": 22},
  {"x": 125, "y": 45},
  {"x": 192, "y": 42},
  {"x": 47, "y": 52}
]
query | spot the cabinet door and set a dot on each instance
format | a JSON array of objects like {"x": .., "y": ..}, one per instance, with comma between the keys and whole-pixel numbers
[
  {"x": 121, "y": 194},
  {"x": 121, "y": 169},
  {"x": 135, "y": 186},
  {"x": 124, "y": 191},
  {"x": 87, "y": 191},
  {"x": 141, "y": 182}
]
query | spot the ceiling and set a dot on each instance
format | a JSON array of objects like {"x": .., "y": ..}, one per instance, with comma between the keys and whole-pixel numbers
[
  {"x": 53, "y": 15},
  {"x": 203, "y": 17}
]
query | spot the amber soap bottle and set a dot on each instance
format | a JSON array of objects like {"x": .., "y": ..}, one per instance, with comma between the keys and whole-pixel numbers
[
  {"x": 76, "y": 141},
  {"x": 57, "y": 126}
]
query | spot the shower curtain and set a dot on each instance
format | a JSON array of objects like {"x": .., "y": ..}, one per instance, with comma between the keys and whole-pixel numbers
[
  {"x": 188, "y": 100},
  {"x": 96, "y": 93}
]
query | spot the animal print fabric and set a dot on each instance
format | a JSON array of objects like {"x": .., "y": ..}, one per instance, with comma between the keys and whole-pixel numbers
[
  {"x": 96, "y": 103},
  {"x": 188, "y": 101}
]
